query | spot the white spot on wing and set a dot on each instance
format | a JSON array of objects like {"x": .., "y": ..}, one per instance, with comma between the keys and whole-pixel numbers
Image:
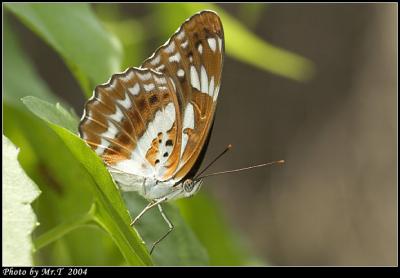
[
  {"x": 111, "y": 131},
  {"x": 103, "y": 145},
  {"x": 112, "y": 84},
  {"x": 180, "y": 35},
  {"x": 216, "y": 93},
  {"x": 211, "y": 88},
  {"x": 149, "y": 87},
  {"x": 200, "y": 49},
  {"x": 134, "y": 90},
  {"x": 188, "y": 118},
  {"x": 128, "y": 76},
  {"x": 204, "y": 80},
  {"x": 175, "y": 58},
  {"x": 188, "y": 122},
  {"x": 160, "y": 80},
  {"x": 194, "y": 78},
  {"x": 134, "y": 166},
  {"x": 156, "y": 60},
  {"x": 126, "y": 103},
  {"x": 212, "y": 43},
  {"x": 144, "y": 76},
  {"x": 170, "y": 48},
  {"x": 170, "y": 114},
  {"x": 185, "y": 44},
  {"x": 117, "y": 116},
  {"x": 181, "y": 73}
]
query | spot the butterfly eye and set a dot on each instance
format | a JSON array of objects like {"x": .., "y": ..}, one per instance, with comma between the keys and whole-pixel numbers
[{"x": 188, "y": 186}]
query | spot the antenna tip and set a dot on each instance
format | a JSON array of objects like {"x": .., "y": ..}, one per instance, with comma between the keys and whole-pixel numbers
[
  {"x": 229, "y": 146},
  {"x": 281, "y": 161}
]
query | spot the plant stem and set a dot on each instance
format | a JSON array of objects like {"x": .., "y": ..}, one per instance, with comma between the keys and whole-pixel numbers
[{"x": 62, "y": 229}]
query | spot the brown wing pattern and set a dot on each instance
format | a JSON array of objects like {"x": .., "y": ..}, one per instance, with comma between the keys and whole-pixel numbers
[
  {"x": 193, "y": 59},
  {"x": 132, "y": 122}
]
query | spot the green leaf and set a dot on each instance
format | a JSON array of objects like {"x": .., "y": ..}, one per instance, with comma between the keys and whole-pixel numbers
[
  {"x": 209, "y": 225},
  {"x": 251, "y": 13},
  {"x": 180, "y": 247},
  {"x": 56, "y": 113},
  {"x": 110, "y": 213},
  {"x": 130, "y": 32},
  {"x": 20, "y": 77},
  {"x": 240, "y": 43},
  {"x": 19, "y": 220},
  {"x": 91, "y": 53}
]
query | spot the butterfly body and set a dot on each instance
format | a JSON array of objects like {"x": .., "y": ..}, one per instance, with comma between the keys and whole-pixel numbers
[{"x": 153, "y": 189}]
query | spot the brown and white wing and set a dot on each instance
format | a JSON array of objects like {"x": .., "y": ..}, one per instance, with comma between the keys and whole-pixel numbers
[
  {"x": 132, "y": 123},
  {"x": 193, "y": 59}
]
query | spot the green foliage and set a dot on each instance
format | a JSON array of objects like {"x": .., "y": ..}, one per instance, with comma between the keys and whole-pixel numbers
[
  {"x": 72, "y": 30},
  {"x": 201, "y": 212},
  {"x": 17, "y": 61},
  {"x": 84, "y": 218},
  {"x": 181, "y": 247},
  {"x": 18, "y": 217},
  {"x": 240, "y": 43}
]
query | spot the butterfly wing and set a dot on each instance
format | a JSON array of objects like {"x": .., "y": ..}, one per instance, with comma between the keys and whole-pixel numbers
[
  {"x": 193, "y": 58},
  {"x": 132, "y": 123}
]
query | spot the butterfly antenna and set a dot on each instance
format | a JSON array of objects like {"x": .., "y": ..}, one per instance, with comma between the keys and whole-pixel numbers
[
  {"x": 243, "y": 169},
  {"x": 212, "y": 162}
]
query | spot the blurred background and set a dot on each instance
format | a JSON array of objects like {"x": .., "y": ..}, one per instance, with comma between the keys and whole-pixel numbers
[{"x": 334, "y": 202}]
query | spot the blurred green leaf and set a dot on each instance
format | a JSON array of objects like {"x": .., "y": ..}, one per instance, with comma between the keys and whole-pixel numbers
[
  {"x": 240, "y": 43},
  {"x": 180, "y": 247},
  {"x": 250, "y": 13},
  {"x": 130, "y": 32},
  {"x": 110, "y": 212},
  {"x": 73, "y": 30},
  {"x": 19, "y": 76},
  {"x": 19, "y": 220},
  {"x": 56, "y": 113},
  {"x": 203, "y": 215}
]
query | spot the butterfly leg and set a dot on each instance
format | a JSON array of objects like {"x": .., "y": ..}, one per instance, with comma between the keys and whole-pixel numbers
[
  {"x": 149, "y": 206},
  {"x": 170, "y": 228}
]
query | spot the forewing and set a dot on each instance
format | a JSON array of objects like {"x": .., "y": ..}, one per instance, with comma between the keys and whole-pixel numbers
[{"x": 193, "y": 59}]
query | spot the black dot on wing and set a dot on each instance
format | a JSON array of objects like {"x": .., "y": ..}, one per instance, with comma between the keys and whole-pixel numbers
[
  {"x": 157, "y": 161},
  {"x": 153, "y": 100},
  {"x": 169, "y": 142},
  {"x": 165, "y": 154}
]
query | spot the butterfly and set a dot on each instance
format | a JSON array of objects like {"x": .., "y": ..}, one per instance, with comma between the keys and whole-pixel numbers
[{"x": 151, "y": 125}]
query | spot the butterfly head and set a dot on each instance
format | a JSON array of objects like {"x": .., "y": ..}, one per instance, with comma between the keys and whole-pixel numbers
[{"x": 191, "y": 187}]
